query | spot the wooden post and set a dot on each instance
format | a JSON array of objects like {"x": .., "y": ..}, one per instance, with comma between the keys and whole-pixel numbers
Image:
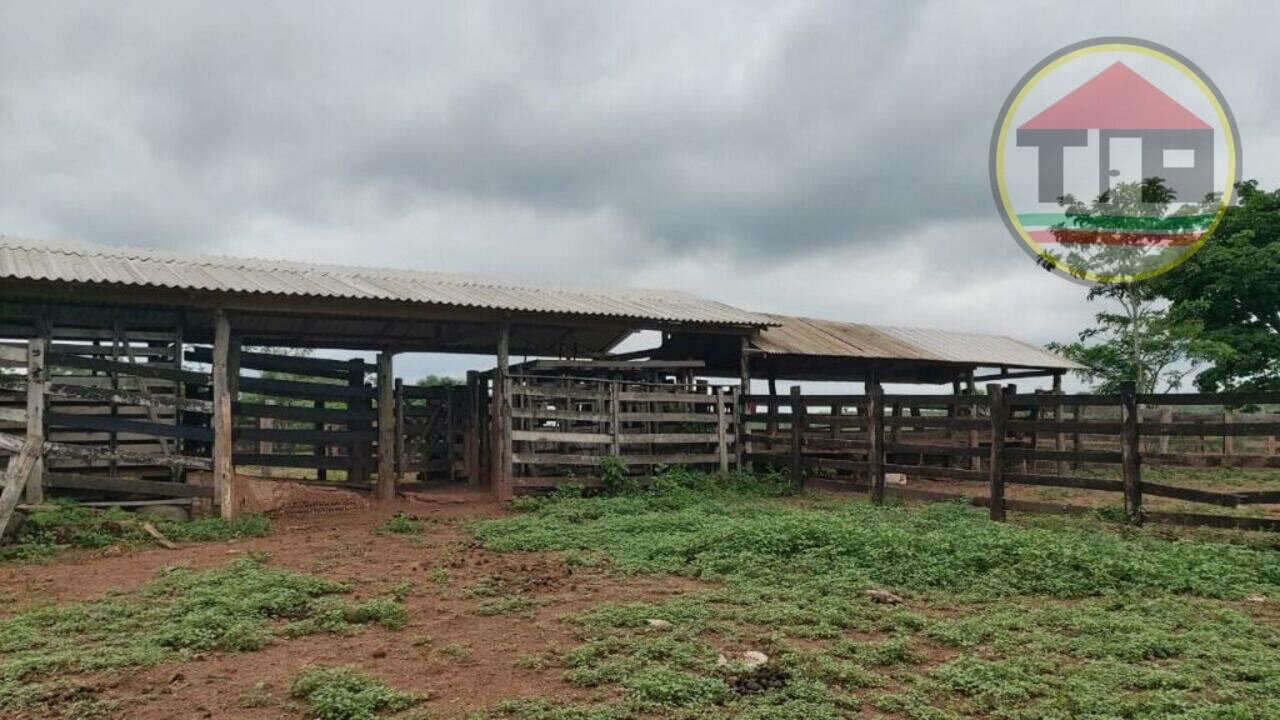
[
  {"x": 358, "y": 451},
  {"x": 740, "y": 407},
  {"x": 797, "y": 437},
  {"x": 320, "y": 447},
  {"x": 1059, "y": 438},
  {"x": 875, "y": 436},
  {"x": 975, "y": 462},
  {"x": 223, "y": 469},
  {"x": 471, "y": 441},
  {"x": 615, "y": 421},
  {"x": 999, "y": 418},
  {"x": 1130, "y": 453},
  {"x": 1077, "y": 441},
  {"x": 16, "y": 476},
  {"x": 399, "y": 400},
  {"x": 773, "y": 409},
  {"x": 1228, "y": 440},
  {"x": 37, "y": 384},
  {"x": 500, "y": 471},
  {"x": 386, "y": 427},
  {"x": 722, "y": 437},
  {"x": 180, "y": 392},
  {"x": 1166, "y": 418}
]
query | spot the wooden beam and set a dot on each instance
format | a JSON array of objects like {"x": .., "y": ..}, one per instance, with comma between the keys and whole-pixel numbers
[
  {"x": 386, "y": 428},
  {"x": 501, "y": 417},
  {"x": 223, "y": 470},
  {"x": 37, "y": 383},
  {"x": 875, "y": 435},
  {"x": 999, "y": 419},
  {"x": 15, "y": 482}
]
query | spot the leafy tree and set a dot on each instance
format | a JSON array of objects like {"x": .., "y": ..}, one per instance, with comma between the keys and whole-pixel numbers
[
  {"x": 1124, "y": 231},
  {"x": 1231, "y": 290},
  {"x": 438, "y": 381},
  {"x": 1142, "y": 343}
]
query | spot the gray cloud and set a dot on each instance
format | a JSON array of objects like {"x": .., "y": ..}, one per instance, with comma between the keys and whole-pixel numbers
[{"x": 827, "y": 158}]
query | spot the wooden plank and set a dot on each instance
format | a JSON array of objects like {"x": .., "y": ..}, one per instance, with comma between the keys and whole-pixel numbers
[
  {"x": 153, "y": 371},
  {"x": 672, "y": 438},
  {"x": 569, "y": 393},
  {"x": 875, "y": 435},
  {"x": 658, "y": 459},
  {"x": 108, "y": 423},
  {"x": 537, "y": 413},
  {"x": 1096, "y": 456},
  {"x": 1065, "y": 481},
  {"x": 1259, "y": 497},
  {"x": 123, "y": 397},
  {"x": 836, "y": 463},
  {"x": 223, "y": 469},
  {"x": 326, "y": 462},
  {"x": 294, "y": 365},
  {"x": 15, "y": 478},
  {"x": 898, "y": 422},
  {"x": 668, "y": 397},
  {"x": 1210, "y": 428},
  {"x": 999, "y": 429},
  {"x": 934, "y": 449},
  {"x": 936, "y": 471},
  {"x": 722, "y": 442},
  {"x": 133, "y": 486},
  {"x": 386, "y": 434},
  {"x": 797, "y": 437},
  {"x": 1066, "y": 426},
  {"x": 92, "y": 453},
  {"x": 14, "y": 415},
  {"x": 14, "y": 355},
  {"x": 328, "y": 416},
  {"x": 305, "y": 390},
  {"x": 1191, "y": 494},
  {"x": 555, "y": 436},
  {"x": 1131, "y": 452},
  {"x": 303, "y": 436}
]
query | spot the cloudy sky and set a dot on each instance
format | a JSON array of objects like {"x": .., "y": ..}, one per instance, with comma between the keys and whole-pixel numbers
[{"x": 815, "y": 158}]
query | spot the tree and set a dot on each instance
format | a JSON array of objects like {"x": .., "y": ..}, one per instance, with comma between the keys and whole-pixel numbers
[
  {"x": 1231, "y": 290},
  {"x": 1124, "y": 232},
  {"x": 1142, "y": 343},
  {"x": 438, "y": 381}
]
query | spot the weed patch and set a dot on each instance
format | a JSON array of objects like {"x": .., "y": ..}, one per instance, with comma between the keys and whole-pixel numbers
[{"x": 346, "y": 693}]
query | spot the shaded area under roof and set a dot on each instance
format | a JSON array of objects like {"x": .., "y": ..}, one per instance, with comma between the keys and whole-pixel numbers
[{"x": 800, "y": 348}]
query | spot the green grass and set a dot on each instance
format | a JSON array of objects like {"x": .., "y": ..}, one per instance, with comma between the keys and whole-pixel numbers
[
  {"x": 346, "y": 693},
  {"x": 240, "y": 607},
  {"x": 1003, "y": 621},
  {"x": 69, "y": 525}
]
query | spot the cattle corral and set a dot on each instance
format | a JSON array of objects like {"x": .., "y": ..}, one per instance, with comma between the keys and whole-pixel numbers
[
  {"x": 134, "y": 377},
  {"x": 736, "y": 523}
]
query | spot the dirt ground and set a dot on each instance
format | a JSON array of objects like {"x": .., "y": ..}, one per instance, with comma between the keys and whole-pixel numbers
[{"x": 466, "y": 661}]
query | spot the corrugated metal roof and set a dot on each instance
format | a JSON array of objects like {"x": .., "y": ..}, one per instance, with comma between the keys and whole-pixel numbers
[
  {"x": 828, "y": 338},
  {"x": 28, "y": 260}
]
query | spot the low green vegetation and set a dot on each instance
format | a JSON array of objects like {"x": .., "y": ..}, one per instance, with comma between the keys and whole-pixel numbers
[
  {"x": 983, "y": 620},
  {"x": 346, "y": 693},
  {"x": 242, "y": 606},
  {"x": 401, "y": 524},
  {"x": 67, "y": 524}
]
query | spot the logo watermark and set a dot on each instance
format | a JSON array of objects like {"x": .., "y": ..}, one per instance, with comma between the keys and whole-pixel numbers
[{"x": 1113, "y": 160}]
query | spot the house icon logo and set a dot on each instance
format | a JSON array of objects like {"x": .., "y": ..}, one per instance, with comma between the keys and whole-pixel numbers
[{"x": 1113, "y": 160}]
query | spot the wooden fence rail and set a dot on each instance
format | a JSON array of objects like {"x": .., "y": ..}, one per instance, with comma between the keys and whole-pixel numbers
[{"x": 1004, "y": 438}]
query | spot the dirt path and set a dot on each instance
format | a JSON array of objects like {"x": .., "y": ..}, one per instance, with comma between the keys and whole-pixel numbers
[{"x": 465, "y": 660}]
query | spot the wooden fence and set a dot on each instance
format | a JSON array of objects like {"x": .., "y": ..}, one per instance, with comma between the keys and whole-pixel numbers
[
  {"x": 564, "y": 427},
  {"x": 1079, "y": 442}
]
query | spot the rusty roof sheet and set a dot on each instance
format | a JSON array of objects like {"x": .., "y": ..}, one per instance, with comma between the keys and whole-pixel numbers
[
  {"x": 29, "y": 260},
  {"x": 828, "y": 338}
]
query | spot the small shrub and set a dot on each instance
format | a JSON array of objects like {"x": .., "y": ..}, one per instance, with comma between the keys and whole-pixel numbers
[
  {"x": 401, "y": 524},
  {"x": 346, "y": 693}
]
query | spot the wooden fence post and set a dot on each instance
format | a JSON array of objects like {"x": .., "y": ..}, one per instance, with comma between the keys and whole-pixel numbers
[
  {"x": 358, "y": 451},
  {"x": 386, "y": 427},
  {"x": 1228, "y": 440},
  {"x": 37, "y": 382},
  {"x": 797, "y": 437},
  {"x": 471, "y": 440},
  {"x": 999, "y": 428},
  {"x": 500, "y": 470},
  {"x": 399, "y": 402},
  {"x": 740, "y": 406},
  {"x": 1130, "y": 453},
  {"x": 875, "y": 439},
  {"x": 1166, "y": 418},
  {"x": 320, "y": 449},
  {"x": 615, "y": 420},
  {"x": 223, "y": 469},
  {"x": 722, "y": 436}
]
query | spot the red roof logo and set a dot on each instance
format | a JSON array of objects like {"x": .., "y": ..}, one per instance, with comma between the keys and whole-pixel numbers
[{"x": 1116, "y": 99}]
